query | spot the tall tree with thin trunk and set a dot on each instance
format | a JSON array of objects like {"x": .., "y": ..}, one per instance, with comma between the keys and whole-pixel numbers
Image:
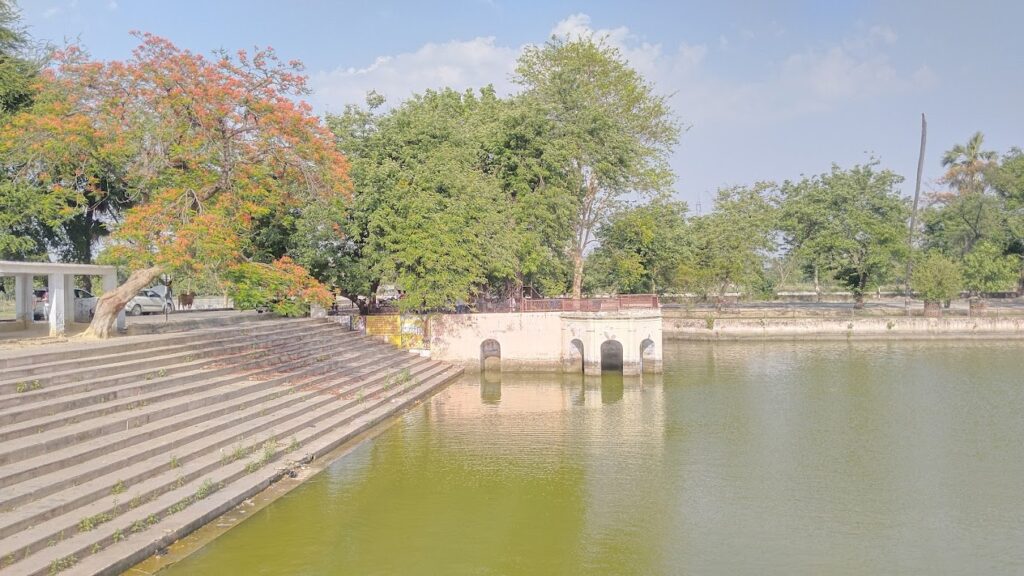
[{"x": 607, "y": 128}]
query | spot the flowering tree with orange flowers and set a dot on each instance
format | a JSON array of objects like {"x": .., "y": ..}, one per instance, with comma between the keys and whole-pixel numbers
[{"x": 207, "y": 148}]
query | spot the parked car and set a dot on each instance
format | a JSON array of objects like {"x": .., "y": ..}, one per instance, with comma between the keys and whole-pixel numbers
[
  {"x": 148, "y": 301},
  {"x": 85, "y": 305},
  {"x": 41, "y": 307}
]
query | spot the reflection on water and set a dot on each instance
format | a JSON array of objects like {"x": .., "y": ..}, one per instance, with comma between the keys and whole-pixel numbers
[
  {"x": 490, "y": 387},
  {"x": 835, "y": 458},
  {"x": 613, "y": 386}
]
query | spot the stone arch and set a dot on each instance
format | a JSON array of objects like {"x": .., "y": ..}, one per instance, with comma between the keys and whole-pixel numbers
[
  {"x": 611, "y": 356},
  {"x": 648, "y": 359},
  {"x": 577, "y": 358},
  {"x": 490, "y": 355}
]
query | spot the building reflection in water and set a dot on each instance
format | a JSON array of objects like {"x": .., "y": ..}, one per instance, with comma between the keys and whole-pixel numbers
[{"x": 490, "y": 387}]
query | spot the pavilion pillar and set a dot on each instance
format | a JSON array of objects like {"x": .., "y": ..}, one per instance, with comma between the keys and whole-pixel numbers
[
  {"x": 24, "y": 302},
  {"x": 57, "y": 295}
]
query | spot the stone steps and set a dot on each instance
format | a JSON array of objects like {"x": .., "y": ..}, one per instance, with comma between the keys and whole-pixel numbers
[
  {"x": 39, "y": 535},
  {"x": 19, "y": 363},
  {"x": 41, "y": 378},
  {"x": 132, "y": 412},
  {"x": 97, "y": 472},
  {"x": 132, "y": 473},
  {"x": 116, "y": 545},
  {"x": 68, "y": 397}
]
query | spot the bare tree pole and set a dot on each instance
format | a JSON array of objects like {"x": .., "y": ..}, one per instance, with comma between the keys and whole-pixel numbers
[{"x": 913, "y": 216}]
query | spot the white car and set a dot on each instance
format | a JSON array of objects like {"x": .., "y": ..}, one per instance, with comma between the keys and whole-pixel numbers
[
  {"x": 85, "y": 305},
  {"x": 148, "y": 301}
]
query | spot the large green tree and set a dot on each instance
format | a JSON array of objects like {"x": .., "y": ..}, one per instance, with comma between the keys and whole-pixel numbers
[
  {"x": 1007, "y": 179},
  {"x": 606, "y": 127},
  {"x": 851, "y": 222},
  {"x": 644, "y": 249},
  {"x": 731, "y": 243},
  {"x": 428, "y": 212}
]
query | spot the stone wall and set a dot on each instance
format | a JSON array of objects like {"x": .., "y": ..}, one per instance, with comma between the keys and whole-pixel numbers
[{"x": 895, "y": 327}]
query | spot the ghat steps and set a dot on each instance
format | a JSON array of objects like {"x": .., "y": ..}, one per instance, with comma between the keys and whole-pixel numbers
[{"x": 110, "y": 452}]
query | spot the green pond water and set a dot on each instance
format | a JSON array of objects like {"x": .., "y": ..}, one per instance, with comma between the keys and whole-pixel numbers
[{"x": 751, "y": 458}]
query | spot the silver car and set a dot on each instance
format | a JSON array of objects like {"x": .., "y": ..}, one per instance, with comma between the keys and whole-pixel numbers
[{"x": 147, "y": 301}]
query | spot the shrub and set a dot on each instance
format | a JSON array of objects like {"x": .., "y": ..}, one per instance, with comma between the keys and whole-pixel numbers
[{"x": 937, "y": 278}]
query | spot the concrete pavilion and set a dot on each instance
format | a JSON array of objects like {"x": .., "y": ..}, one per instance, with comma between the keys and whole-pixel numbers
[{"x": 61, "y": 286}]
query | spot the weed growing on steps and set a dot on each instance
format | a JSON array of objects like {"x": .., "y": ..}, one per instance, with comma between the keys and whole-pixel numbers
[
  {"x": 269, "y": 449},
  {"x": 62, "y": 564},
  {"x": 118, "y": 535},
  {"x": 237, "y": 453},
  {"x": 162, "y": 372},
  {"x": 22, "y": 387},
  {"x": 119, "y": 488},
  {"x": 294, "y": 445},
  {"x": 87, "y": 524},
  {"x": 174, "y": 462},
  {"x": 207, "y": 488}
]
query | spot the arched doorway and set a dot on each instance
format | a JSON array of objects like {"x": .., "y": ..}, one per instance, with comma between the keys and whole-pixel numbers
[
  {"x": 490, "y": 355},
  {"x": 576, "y": 357},
  {"x": 611, "y": 356},
  {"x": 647, "y": 359}
]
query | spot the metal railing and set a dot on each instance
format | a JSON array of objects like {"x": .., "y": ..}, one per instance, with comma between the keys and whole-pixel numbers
[{"x": 608, "y": 304}]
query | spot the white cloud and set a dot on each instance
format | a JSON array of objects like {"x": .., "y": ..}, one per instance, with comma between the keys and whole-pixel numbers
[
  {"x": 52, "y": 11},
  {"x": 112, "y": 5},
  {"x": 457, "y": 64},
  {"x": 805, "y": 82}
]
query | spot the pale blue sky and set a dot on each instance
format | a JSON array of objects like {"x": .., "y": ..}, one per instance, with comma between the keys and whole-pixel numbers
[{"x": 771, "y": 90}]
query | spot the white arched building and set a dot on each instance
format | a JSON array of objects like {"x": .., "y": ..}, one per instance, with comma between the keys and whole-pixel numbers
[{"x": 626, "y": 340}]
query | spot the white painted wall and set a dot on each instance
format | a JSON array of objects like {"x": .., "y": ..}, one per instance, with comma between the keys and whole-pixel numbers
[{"x": 529, "y": 341}]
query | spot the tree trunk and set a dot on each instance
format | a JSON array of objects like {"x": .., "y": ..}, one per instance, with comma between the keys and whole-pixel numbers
[
  {"x": 817, "y": 285},
  {"x": 858, "y": 301},
  {"x": 577, "y": 275},
  {"x": 862, "y": 283},
  {"x": 111, "y": 303}
]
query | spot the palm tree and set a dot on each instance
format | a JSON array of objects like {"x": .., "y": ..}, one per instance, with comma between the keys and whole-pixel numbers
[{"x": 966, "y": 165}]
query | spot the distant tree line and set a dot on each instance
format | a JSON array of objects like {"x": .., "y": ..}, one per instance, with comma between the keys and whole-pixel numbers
[{"x": 212, "y": 172}]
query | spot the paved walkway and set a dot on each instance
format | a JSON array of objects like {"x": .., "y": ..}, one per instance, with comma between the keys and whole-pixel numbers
[{"x": 39, "y": 332}]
